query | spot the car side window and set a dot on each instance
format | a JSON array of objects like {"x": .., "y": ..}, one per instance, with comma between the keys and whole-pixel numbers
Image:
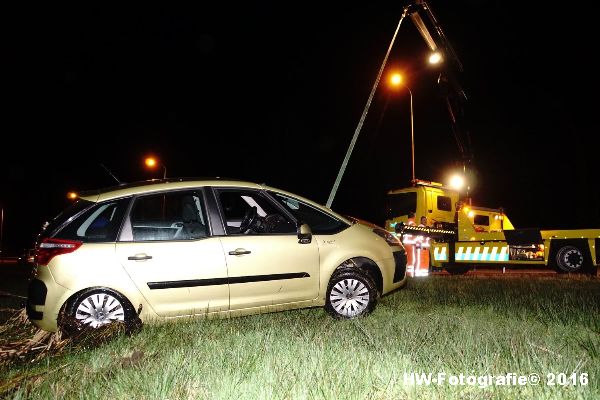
[
  {"x": 319, "y": 222},
  {"x": 249, "y": 212},
  {"x": 98, "y": 224},
  {"x": 166, "y": 216}
]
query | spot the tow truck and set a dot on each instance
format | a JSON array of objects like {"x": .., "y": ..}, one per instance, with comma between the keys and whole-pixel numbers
[
  {"x": 460, "y": 235},
  {"x": 457, "y": 234}
]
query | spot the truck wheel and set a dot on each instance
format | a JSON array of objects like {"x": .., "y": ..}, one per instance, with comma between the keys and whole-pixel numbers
[
  {"x": 350, "y": 294},
  {"x": 457, "y": 269},
  {"x": 570, "y": 259}
]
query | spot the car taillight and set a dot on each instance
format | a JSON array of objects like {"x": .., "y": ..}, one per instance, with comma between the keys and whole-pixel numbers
[{"x": 50, "y": 248}]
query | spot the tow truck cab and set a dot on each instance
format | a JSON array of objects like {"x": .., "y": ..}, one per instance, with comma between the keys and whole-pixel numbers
[
  {"x": 440, "y": 205},
  {"x": 427, "y": 199}
]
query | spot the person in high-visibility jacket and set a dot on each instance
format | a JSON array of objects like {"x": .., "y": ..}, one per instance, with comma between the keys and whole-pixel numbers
[
  {"x": 408, "y": 241},
  {"x": 421, "y": 250}
]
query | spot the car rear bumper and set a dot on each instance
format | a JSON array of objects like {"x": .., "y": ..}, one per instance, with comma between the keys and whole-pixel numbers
[
  {"x": 36, "y": 296},
  {"x": 45, "y": 298}
]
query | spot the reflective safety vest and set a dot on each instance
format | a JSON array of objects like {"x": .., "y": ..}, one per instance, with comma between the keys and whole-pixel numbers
[{"x": 417, "y": 253}]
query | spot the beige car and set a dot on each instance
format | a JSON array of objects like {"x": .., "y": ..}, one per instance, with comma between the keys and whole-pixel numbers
[{"x": 172, "y": 248}]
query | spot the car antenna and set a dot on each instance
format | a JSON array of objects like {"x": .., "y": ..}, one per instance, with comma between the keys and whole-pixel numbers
[{"x": 111, "y": 174}]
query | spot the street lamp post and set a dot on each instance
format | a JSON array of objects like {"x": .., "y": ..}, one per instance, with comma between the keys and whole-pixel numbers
[
  {"x": 412, "y": 134},
  {"x": 151, "y": 162},
  {"x": 1, "y": 230},
  {"x": 396, "y": 80}
]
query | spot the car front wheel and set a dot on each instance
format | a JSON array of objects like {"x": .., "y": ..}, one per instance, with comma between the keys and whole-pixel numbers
[{"x": 351, "y": 293}]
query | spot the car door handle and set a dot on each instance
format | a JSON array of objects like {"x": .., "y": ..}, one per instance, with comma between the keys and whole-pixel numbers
[
  {"x": 239, "y": 252},
  {"x": 140, "y": 257}
]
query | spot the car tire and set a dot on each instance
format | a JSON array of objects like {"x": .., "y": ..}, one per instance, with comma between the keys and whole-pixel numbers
[
  {"x": 351, "y": 293},
  {"x": 98, "y": 307}
]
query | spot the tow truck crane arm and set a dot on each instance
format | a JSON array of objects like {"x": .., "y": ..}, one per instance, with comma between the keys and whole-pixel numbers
[{"x": 450, "y": 88}]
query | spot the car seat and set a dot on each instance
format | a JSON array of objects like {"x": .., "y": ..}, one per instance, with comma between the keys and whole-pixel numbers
[{"x": 193, "y": 228}]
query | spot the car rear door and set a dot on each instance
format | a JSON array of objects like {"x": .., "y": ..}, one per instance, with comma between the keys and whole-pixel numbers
[{"x": 167, "y": 249}]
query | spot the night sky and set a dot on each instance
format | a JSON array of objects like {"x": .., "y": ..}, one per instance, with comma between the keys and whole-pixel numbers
[{"x": 273, "y": 91}]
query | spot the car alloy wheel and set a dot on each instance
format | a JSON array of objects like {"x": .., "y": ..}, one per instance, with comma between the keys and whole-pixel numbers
[
  {"x": 351, "y": 293},
  {"x": 96, "y": 308},
  {"x": 99, "y": 308},
  {"x": 349, "y": 297}
]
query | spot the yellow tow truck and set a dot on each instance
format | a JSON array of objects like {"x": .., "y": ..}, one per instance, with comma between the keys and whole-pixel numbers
[{"x": 461, "y": 235}]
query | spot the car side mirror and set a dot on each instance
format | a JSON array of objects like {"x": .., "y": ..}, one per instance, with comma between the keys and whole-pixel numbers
[{"x": 304, "y": 234}]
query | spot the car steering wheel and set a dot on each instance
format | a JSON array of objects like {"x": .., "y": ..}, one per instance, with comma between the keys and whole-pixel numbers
[{"x": 248, "y": 219}]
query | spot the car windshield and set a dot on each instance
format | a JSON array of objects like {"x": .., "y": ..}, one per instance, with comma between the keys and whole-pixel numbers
[{"x": 66, "y": 215}]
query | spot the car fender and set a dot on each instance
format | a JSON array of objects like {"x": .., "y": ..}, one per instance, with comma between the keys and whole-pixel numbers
[{"x": 357, "y": 241}]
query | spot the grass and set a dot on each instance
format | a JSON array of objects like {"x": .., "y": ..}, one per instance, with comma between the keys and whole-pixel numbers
[{"x": 469, "y": 325}]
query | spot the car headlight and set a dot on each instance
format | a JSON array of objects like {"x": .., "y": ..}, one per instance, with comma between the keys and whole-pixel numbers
[{"x": 389, "y": 238}]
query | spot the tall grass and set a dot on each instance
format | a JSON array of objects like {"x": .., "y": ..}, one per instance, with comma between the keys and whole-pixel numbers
[{"x": 469, "y": 325}]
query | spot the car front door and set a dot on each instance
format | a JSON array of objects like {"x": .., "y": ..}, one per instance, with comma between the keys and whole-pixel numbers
[
  {"x": 166, "y": 248},
  {"x": 266, "y": 263}
]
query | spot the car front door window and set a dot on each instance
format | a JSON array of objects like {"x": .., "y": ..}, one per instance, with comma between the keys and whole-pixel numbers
[{"x": 249, "y": 212}]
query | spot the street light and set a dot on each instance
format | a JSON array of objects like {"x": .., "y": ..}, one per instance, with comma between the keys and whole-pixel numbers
[
  {"x": 435, "y": 58},
  {"x": 396, "y": 80},
  {"x": 152, "y": 163},
  {"x": 457, "y": 182}
]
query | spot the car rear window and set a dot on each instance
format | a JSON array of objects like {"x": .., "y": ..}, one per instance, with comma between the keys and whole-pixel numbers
[
  {"x": 99, "y": 223},
  {"x": 65, "y": 216}
]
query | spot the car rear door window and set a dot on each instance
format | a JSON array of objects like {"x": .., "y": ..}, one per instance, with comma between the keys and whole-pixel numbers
[{"x": 167, "y": 216}]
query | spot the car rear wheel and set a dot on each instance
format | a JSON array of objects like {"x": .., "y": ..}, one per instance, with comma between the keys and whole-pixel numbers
[
  {"x": 98, "y": 307},
  {"x": 350, "y": 294}
]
